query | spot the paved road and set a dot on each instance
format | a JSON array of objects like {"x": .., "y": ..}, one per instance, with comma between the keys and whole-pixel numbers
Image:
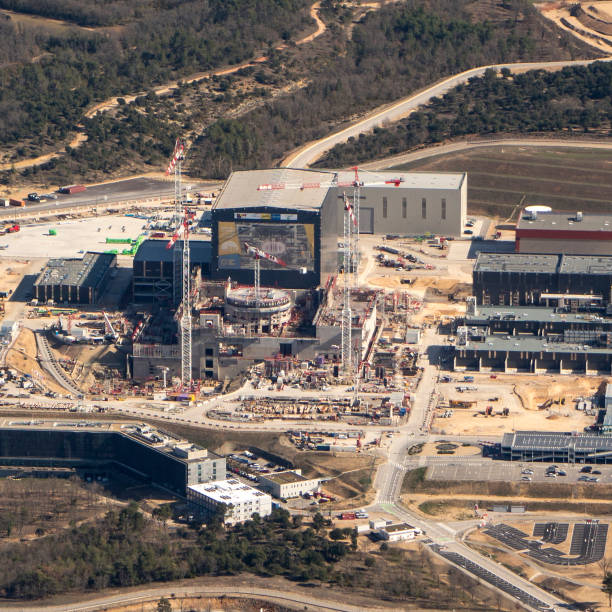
[
  {"x": 307, "y": 600},
  {"x": 388, "y": 487},
  {"x": 311, "y": 152},
  {"x": 141, "y": 188}
]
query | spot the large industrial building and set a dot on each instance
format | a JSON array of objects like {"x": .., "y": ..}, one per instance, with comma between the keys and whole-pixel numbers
[
  {"x": 522, "y": 279},
  {"x": 556, "y": 447},
  {"x": 295, "y": 217},
  {"x": 154, "y": 276},
  {"x": 155, "y": 456},
  {"x": 75, "y": 281},
  {"x": 409, "y": 203},
  {"x": 569, "y": 233},
  {"x": 298, "y": 226},
  {"x": 534, "y": 339}
]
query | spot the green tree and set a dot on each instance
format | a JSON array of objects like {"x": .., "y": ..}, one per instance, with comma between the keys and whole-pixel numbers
[
  {"x": 607, "y": 586},
  {"x": 163, "y": 605},
  {"x": 318, "y": 521}
]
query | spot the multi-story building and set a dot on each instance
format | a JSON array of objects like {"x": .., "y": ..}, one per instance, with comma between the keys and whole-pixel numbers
[
  {"x": 153, "y": 455},
  {"x": 239, "y": 501}
]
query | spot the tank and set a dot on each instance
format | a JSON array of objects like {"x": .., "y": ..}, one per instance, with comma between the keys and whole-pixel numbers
[{"x": 532, "y": 212}]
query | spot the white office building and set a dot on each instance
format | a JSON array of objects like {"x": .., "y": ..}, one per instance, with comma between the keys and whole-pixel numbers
[
  {"x": 285, "y": 485},
  {"x": 240, "y": 500},
  {"x": 398, "y": 532}
]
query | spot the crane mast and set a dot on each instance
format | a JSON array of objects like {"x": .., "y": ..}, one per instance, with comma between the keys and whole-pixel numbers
[
  {"x": 186, "y": 370},
  {"x": 258, "y": 254},
  {"x": 185, "y": 306},
  {"x": 175, "y": 167},
  {"x": 347, "y": 315},
  {"x": 355, "y": 246}
]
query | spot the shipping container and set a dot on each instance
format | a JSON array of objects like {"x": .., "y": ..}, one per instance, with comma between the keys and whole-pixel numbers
[
  {"x": 14, "y": 202},
  {"x": 348, "y": 516},
  {"x": 72, "y": 189}
]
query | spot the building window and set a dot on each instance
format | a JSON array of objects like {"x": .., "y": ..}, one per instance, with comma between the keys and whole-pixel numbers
[
  {"x": 384, "y": 208},
  {"x": 404, "y": 208},
  {"x": 209, "y": 363},
  {"x": 443, "y": 213},
  {"x": 424, "y": 208}
]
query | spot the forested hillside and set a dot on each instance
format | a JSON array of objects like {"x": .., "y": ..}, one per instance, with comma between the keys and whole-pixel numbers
[
  {"x": 50, "y": 75},
  {"x": 75, "y": 67},
  {"x": 575, "y": 99},
  {"x": 395, "y": 51}
]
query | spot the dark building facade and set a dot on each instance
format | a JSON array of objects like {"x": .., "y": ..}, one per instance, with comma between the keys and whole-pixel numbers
[
  {"x": 82, "y": 448},
  {"x": 75, "y": 281},
  {"x": 522, "y": 279},
  {"x": 154, "y": 275},
  {"x": 298, "y": 226}
]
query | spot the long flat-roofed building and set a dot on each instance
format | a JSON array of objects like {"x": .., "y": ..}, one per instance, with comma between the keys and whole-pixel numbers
[
  {"x": 524, "y": 279},
  {"x": 297, "y": 215},
  {"x": 75, "y": 281},
  {"x": 561, "y": 232},
  {"x": 151, "y": 454},
  {"x": 239, "y": 500},
  {"x": 556, "y": 446}
]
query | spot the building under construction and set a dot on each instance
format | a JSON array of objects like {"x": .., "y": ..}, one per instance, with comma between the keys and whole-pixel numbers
[
  {"x": 75, "y": 281},
  {"x": 232, "y": 330}
]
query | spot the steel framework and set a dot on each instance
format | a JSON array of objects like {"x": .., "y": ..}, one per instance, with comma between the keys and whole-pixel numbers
[{"x": 347, "y": 315}]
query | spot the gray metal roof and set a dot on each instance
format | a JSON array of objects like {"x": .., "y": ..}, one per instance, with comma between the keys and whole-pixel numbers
[
  {"x": 85, "y": 272},
  {"x": 488, "y": 313},
  {"x": 241, "y": 189},
  {"x": 516, "y": 262},
  {"x": 532, "y": 344},
  {"x": 155, "y": 250},
  {"x": 558, "y": 221},
  {"x": 545, "y": 440},
  {"x": 410, "y": 180},
  {"x": 581, "y": 264}
]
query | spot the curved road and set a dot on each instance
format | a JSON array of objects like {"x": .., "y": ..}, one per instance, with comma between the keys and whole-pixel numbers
[
  {"x": 311, "y": 152},
  {"x": 307, "y": 600}
]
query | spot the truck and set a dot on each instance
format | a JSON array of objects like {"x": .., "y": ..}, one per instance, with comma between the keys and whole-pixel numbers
[
  {"x": 348, "y": 516},
  {"x": 72, "y": 188},
  {"x": 12, "y": 228},
  {"x": 5, "y": 202}
]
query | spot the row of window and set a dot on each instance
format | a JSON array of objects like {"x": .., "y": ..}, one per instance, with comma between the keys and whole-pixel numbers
[{"x": 423, "y": 208}]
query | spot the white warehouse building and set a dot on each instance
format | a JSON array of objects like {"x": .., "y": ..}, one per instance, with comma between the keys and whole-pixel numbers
[{"x": 240, "y": 500}]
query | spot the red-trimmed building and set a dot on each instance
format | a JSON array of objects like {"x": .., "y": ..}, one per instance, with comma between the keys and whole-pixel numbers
[{"x": 564, "y": 233}]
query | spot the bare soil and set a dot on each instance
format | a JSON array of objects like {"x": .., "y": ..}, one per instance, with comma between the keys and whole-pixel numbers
[{"x": 499, "y": 177}]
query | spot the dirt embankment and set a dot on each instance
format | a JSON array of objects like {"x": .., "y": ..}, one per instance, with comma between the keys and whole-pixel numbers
[{"x": 439, "y": 497}]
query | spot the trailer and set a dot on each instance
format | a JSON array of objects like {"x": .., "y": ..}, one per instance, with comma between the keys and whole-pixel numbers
[
  {"x": 72, "y": 189},
  {"x": 14, "y": 202}
]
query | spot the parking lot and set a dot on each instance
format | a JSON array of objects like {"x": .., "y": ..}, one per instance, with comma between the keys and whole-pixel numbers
[{"x": 506, "y": 471}]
